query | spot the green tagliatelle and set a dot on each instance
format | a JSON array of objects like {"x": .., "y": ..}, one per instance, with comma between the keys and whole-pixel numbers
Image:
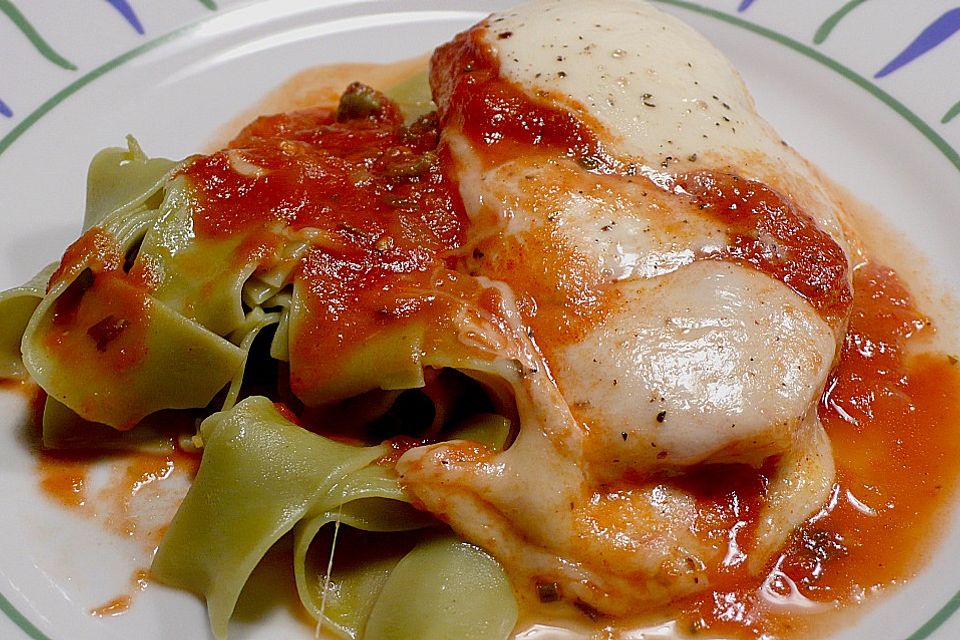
[
  {"x": 121, "y": 181},
  {"x": 212, "y": 309},
  {"x": 260, "y": 475},
  {"x": 443, "y": 589},
  {"x": 209, "y": 364},
  {"x": 132, "y": 199},
  {"x": 17, "y": 306},
  {"x": 263, "y": 476}
]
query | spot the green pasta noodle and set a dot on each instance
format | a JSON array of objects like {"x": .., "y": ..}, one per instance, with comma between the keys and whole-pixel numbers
[
  {"x": 444, "y": 588},
  {"x": 17, "y": 306},
  {"x": 123, "y": 399},
  {"x": 263, "y": 476},
  {"x": 259, "y": 476},
  {"x": 121, "y": 180},
  {"x": 197, "y": 317}
]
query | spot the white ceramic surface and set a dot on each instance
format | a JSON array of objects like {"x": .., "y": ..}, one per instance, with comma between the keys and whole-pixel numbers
[{"x": 866, "y": 90}]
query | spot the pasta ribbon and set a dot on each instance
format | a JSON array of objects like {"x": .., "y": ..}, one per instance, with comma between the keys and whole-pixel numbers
[
  {"x": 152, "y": 317},
  {"x": 442, "y": 589},
  {"x": 121, "y": 181},
  {"x": 17, "y": 306},
  {"x": 263, "y": 476},
  {"x": 72, "y": 363}
]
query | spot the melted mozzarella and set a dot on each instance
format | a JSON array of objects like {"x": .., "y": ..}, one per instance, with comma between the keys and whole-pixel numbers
[
  {"x": 713, "y": 362},
  {"x": 659, "y": 91}
]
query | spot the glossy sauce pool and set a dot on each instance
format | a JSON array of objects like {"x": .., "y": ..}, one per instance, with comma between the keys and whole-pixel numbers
[{"x": 892, "y": 411}]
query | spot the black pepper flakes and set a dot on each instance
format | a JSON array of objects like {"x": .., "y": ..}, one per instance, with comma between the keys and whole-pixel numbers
[
  {"x": 548, "y": 592},
  {"x": 107, "y": 330},
  {"x": 661, "y": 416},
  {"x": 588, "y": 610},
  {"x": 590, "y": 163}
]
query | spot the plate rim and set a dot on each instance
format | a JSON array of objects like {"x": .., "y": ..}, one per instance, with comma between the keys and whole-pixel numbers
[{"x": 919, "y": 124}]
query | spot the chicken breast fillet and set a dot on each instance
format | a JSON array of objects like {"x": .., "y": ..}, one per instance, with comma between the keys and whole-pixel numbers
[{"x": 678, "y": 282}]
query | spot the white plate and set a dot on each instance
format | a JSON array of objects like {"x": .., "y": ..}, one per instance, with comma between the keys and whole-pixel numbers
[{"x": 198, "y": 63}]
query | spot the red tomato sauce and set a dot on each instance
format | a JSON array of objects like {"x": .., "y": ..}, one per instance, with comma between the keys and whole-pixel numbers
[
  {"x": 764, "y": 229},
  {"x": 498, "y": 116},
  {"x": 772, "y": 234},
  {"x": 893, "y": 417},
  {"x": 102, "y": 319},
  {"x": 383, "y": 214},
  {"x": 139, "y": 581},
  {"x": 65, "y": 477},
  {"x": 361, "y": 179},
  {"x": 559, "y": 293}
]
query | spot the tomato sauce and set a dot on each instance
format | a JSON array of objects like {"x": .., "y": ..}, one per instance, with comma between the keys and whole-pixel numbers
[
  {"x": 561, "y": 296},
  {"x": 102, "y": 318},
  {"x": 64, "y": 479},
  {"x": 353, "y": 177},
  {"x": 770, "y": 233},
  {"x": 383, "y": 216},
  {"x": 131, "y": 481},
  {"x": 96, "y": 249},
  {"x": 764, "y": 229},
  {"x": 121, "y": 604},
  {"x": 115, "y": 607},
  {"x": 559, "y": 293},
  {"x": 893, "y": 416},
  {"x": 498, "y": 116}
]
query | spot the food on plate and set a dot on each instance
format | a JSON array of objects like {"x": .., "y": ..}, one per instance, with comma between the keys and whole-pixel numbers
[{"x": 552, "y": 347}]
